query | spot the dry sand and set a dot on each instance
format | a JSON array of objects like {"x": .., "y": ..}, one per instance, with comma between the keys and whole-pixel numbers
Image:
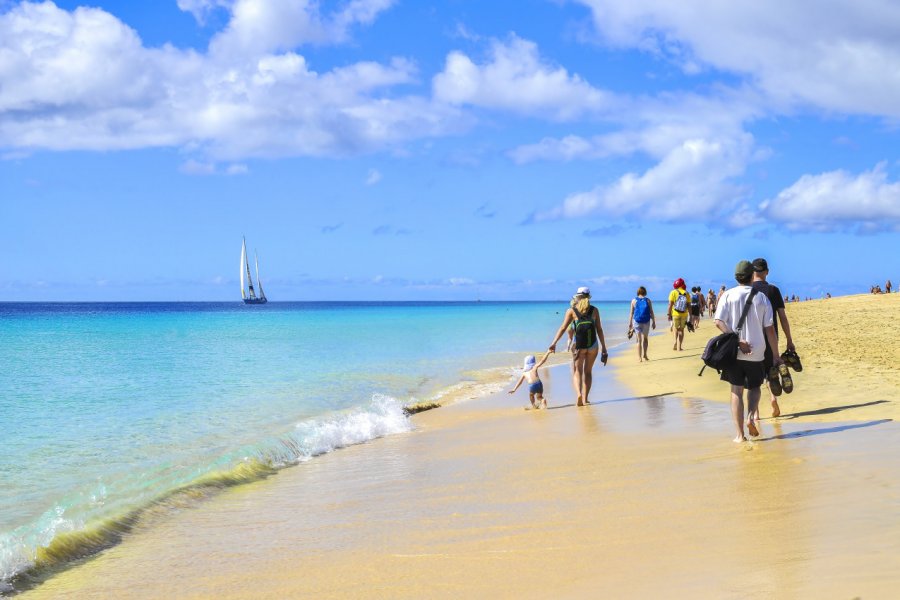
[
  {"x": 849, "y": 349},
  {"x": 630, "y": 497}
]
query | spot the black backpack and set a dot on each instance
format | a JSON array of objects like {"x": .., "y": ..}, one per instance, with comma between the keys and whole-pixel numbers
[
  {"x": 721, "y": 351},
  {"x": 585, "y": 331}
]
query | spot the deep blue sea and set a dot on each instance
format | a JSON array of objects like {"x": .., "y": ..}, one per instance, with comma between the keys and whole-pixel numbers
[{"x": 108, "y": 409}]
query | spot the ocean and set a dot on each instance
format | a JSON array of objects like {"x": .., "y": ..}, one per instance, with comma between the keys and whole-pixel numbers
[{"x": 111, "y": 411}]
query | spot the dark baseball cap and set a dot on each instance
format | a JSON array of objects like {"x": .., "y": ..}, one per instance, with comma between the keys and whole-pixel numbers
[
  {"x": 760, "y": 265},
  {"x": 743, "y": 269}
]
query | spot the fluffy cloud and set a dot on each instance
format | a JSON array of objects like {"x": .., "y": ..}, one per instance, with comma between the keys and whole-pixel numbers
[
  {"x": 839, "y": 56},
  {"x": 515, "y": 78},
  {"x": 83, "y": 80},
  {"x": 838, "y": 200},
  {"x": 694, "y": 181},
  {"x": 261, "y": 26}
]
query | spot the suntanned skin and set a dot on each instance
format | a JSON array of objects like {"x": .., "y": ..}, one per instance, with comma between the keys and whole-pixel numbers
[
  {"x": 737, "y": 391},
  {"x": 531, "y": 375},
  {"x": 583, "y": 360},
  {"x": 786, "y": 328}
]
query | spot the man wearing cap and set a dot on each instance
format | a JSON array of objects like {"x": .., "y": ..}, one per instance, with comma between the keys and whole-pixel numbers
[
  {"x": 678, "y": 314},
  {"x": 747, "y": 371},
  {"x": 760, "y": 273}
]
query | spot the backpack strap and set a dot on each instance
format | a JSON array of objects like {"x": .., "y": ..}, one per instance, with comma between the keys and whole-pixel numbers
[{"x": 740, "y": 324}]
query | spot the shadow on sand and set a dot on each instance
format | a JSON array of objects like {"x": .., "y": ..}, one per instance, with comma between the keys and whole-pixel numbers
[
  {"x": 597, "y": 403},
  {"x": 821, "y": 430},
  {"x": 830, "y": 409}
]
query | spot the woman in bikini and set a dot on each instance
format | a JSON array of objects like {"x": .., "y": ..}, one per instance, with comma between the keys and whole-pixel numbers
[{"x": 588, "y": 342}]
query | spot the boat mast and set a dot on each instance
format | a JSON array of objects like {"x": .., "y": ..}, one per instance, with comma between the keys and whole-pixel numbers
[
  {"x": 262, "y": 294},
  {"x": 249, "y": 278}
]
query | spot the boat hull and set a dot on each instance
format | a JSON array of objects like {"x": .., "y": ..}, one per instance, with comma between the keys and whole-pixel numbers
[{"x": 255, "y": 300}]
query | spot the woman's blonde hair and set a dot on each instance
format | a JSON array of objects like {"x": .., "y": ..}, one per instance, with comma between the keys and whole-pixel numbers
[{"x": 583, "y": 304}]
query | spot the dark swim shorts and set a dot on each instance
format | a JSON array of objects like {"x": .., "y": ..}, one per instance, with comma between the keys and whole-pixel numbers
[
  {"x": 745, "y": 373},
  {"x": 536, "y": 388}
]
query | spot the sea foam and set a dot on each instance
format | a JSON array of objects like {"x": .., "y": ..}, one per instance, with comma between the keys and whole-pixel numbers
[{"x": 55, "y": 540}]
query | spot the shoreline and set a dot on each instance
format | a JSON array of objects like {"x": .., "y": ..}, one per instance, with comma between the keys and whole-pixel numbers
[{"x": 484, "y": 498}]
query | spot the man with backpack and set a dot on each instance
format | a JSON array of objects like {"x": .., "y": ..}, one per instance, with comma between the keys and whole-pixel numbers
[
  {"x": 679, "y": 307},
  {"x": 748, "y": 313},
  {"x": 641, "y": 319}
]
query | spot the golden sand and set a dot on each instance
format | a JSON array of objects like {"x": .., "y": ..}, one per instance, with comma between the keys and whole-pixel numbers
[
  {"x": 849, "y": 350},
  {"x": 634, "y": 496}
]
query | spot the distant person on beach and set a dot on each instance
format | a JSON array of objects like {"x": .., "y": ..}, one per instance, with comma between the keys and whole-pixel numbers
[
  {"x": 679, "y": 307},
  {"x": 760, "y": 273},
  {"x": 887, "y": 287},
  {"x": 710, "y": 303},
  {"x": 698, "y": 303},
  {"x": 642, "y": 319},
  {"x": 535, "y": 385},
  {"x": 747, "y": 371},
  {"x": 588, "y": 342}
]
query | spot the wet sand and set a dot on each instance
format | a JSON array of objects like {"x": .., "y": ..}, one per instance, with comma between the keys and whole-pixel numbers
[{"x": 630, "y": 497}]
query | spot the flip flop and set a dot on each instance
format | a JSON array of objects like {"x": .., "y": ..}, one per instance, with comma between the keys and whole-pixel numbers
[
  {"x": 630, "y": 333},
  {"x": 787, "y": 383},
  {"x": 774, "y": 382},
  {"x": 792, "y": 359}
]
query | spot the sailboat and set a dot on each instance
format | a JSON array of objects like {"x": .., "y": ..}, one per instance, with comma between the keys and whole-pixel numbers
[{"x": 247, "y": 292}]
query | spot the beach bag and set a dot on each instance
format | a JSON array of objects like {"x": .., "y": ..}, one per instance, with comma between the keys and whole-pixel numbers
[
  {"x": 681, "y": 302},
  {"x": 721, "y": 351},
  {"x": 641, "y": 310},
  {"x": 585, "y": 331}
]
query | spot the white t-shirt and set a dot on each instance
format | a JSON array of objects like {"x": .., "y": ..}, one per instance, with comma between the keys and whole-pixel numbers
[{"x": 729, "y": 309}]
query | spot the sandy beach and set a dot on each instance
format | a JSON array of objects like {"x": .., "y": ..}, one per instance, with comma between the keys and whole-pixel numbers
[{"x": 641, "y": 494}]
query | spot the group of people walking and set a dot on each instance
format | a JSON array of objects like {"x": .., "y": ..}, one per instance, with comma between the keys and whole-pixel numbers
[{"x": 753, "y": 309}]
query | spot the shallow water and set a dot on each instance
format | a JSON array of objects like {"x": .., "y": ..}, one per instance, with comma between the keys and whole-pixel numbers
[{"x": 109, "y": 409}]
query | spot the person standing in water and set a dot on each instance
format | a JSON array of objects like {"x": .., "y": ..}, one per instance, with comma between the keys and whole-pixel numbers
[
  {"x": 588, "y": 342},
  {"x": 642, "y": 319}
]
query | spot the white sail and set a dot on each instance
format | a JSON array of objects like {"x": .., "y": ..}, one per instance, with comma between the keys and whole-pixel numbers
[
  {"x": 243, "y": 260},
  {"x": 262, "y": 294}
]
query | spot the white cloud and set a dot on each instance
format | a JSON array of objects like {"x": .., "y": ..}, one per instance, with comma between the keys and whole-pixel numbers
[
  {"x": 838, "y": 200},
  {"x": 839, "y": 56},
  {"x": 83, "y": 80},
  {"x": 194, "y": 167},
  {"x": 237, "y": 169},
  {"x": 515, "y": 78},
  {"x": 263, "y": 26},
  {"x": 373, "y": 177},
  {"x": 201, "y": 8},
  {"x": 694, "y": 181}
]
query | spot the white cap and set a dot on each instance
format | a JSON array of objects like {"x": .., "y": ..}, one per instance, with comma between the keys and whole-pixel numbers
[
  {"x": 583, "y": 291},
  {"x": 529, "y": 363}
]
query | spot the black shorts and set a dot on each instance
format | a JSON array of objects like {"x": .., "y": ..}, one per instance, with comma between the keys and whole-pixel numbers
[
  {"x": 695, "y": 310},
  {"x": 745, "y": 373}
]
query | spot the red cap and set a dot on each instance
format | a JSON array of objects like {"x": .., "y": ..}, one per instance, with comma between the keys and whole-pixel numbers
[{"x": 679, "y": 283}]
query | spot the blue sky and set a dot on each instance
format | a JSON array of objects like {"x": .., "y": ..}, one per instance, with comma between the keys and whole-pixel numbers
[{"x": 400, "y": 150}]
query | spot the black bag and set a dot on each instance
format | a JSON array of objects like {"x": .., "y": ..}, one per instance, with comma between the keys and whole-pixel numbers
[
  {"x": 721, "y": 351},
  {"x": 585, "y": 331}
]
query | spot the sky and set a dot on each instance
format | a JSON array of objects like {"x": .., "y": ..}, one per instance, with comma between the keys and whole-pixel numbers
[{"x": 445, "y": 150}]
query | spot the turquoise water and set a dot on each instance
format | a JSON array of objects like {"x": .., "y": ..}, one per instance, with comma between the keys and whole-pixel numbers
[{"x": 107, "y": 408}]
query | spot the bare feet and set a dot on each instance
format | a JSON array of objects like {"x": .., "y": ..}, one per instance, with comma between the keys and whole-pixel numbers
[
  {"x": 646, "y": 357},
  {"x": 776, "y": 411},
  {"x": 751, "y": 429},
  {"x": 586, "y": 401},
  {"x": 739, "y": 439}
]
